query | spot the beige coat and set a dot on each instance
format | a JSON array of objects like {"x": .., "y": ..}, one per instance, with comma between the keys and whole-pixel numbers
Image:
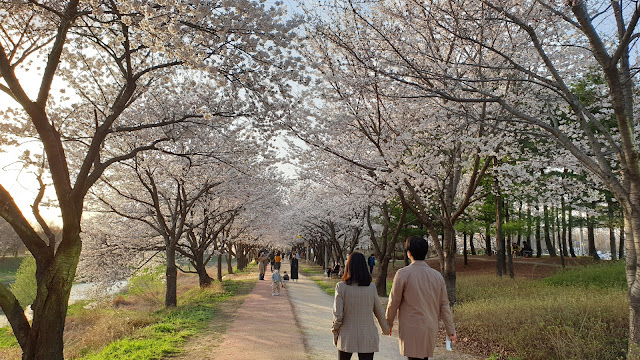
[
  {"x": 419, "y": 298},
  {"x": 353, "y": 327},
  {"x": 262, "y": 264}
]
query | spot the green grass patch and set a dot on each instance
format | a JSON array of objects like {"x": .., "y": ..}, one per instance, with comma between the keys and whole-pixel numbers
[
  {"x": 8, "y": 268},
  {"x": 607, "y": 275},
  {"x": 194, "y": 312},
  {"x": 7, "y": 339},
  {"x": 326, "y": 286},
  {"x": 539, "y": 319},
  {"x": 318, "y": 276}
]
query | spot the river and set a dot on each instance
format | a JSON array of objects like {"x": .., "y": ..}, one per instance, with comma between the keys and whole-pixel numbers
[{"x": 79, "y": 292}]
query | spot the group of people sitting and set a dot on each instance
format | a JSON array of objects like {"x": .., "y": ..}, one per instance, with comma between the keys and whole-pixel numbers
[
  {"x": 524, "y": 251},
  {"x": 335, "y": 271}
]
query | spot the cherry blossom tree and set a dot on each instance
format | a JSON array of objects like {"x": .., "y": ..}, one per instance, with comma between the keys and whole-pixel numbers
[
  {"x": 430, "y": 154},
  {"x": 104, "y": 55},
  {"x": 523, "y": 57}
]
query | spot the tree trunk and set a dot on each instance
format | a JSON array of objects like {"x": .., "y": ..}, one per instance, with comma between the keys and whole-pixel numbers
[
  {"x": 203, "y": 277},
  {"x": 561, "y": 242},
  {"x": 612, "y": 235},
  {"x": 591, "y": 238},
  {"x": 171, "y": 294},
  {"x": 519, "y": 241},
  {"x": 621, "y": 250},
  {"x": 538, "y": 235},
  {"x": 240, "y": 257},
  {"x": 564, "y": 228},
  {"x": 229, "y": 258},
  {"x": 473, "y": 248},
  {"x": 219, "y": 267},
  {"x": 529, "y": 225},
  {"x": 381, "y": 280},
  {"x": 612, "y": 243},
  {"x": 466, "y": 262},
  {"x": 54, "y": 283},
  {"x": 487, "y": 242},
  {"x": 500, "y": 262},
  {"x": 393, "y": 257},
  {"x": 509, "y": 266},
  {"x": 520, "y": 221},
  {"x": 570, "y": 233},
  {"x": 631, "y": 214},
  {"x": 547, "y": 233},
  {"x": 449, "y": 250},
  {"x": 555, "y": 240}
]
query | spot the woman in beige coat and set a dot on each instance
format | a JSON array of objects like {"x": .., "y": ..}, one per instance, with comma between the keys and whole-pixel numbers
[{"x": 355, "y": 302}]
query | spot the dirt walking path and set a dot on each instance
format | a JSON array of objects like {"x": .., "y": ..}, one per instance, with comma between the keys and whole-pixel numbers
[{"x": 264, "y": 328}]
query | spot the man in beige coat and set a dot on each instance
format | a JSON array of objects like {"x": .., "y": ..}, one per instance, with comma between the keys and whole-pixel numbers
[{"x": 419, "y": 298}]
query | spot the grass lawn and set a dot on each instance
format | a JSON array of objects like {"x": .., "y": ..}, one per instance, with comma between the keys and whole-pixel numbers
[
  {"x": 168, "y": 333},
  {"x": 315, "y": 273}
]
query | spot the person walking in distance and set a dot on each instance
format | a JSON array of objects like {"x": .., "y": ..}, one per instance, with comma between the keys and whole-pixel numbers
[
  {"x": 372, "y": 262},
  {"x": 262, "y": 260},
  {"x": 272, "y": 260},
  {"x": 294, "y": 269},
  {"x": 419, "y": 298},
  {"x": 356, "y": 298},
  {"x": 278, "y": 260}
]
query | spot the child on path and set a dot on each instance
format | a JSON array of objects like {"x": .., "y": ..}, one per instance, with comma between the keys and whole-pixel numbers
[
  {"x": 285, "y": 276},
  {"x": 276, "y": 280}
]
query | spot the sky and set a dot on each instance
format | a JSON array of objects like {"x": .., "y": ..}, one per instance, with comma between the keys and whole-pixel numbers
[{"x": 22, "y": 183}]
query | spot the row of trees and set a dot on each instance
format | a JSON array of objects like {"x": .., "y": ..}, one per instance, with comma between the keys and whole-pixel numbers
[
  {"x": 99, "y": 84},
  {"x": 443, "y": 105},
  {"x": 421, "y": 113}
]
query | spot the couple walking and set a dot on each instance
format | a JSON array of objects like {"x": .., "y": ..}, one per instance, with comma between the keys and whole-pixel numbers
[{"x": 418, "y": 297}]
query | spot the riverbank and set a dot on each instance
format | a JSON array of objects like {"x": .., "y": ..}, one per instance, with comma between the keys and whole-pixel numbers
[{"x": 138, "y": 326}]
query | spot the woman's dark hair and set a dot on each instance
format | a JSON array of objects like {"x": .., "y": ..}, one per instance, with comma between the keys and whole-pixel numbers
[
  {"x": 417, "y": 246},
  {"x": 356, "y": 270}
]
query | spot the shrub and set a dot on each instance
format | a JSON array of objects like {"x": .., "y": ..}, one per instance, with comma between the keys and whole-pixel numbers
[
  {"x": 25, "y": 286},
  {"x": 8, "y": 268},
  {"x": 148, "y": 284}
]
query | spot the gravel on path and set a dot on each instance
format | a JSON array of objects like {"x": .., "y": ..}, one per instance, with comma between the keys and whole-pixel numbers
[{"x": 313, "y": 309}]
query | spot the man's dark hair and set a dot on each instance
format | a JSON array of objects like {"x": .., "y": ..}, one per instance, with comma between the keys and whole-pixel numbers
[
  {"x": 356, "y": 270},
  {"x": 417, "y": 246}
]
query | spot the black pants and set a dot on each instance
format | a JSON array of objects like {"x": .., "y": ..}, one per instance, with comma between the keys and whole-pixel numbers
[
  {"x": 361, "y": 356},
  {"x": 418, "y": 358}
]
